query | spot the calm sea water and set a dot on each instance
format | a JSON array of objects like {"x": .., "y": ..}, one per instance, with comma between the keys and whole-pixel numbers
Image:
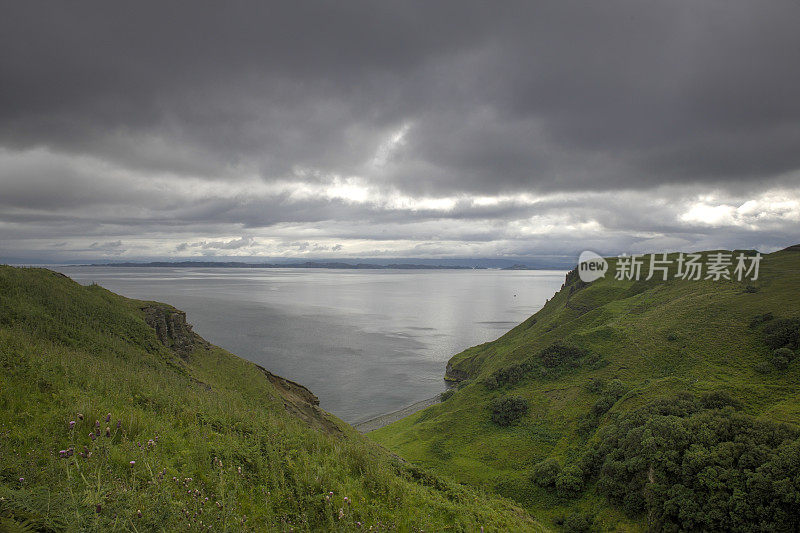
[{"x": 366, "y": 342}]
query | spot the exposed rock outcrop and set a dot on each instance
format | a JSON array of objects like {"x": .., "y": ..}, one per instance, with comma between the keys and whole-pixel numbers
[
  {"x": 172, "y": 330},
  {"x": 301, "y": 403}
]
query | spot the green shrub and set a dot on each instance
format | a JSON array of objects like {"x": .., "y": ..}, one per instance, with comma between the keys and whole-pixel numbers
[
  {"x": 719, "y": 400},
  {"x": 446, "y": 395},
  {"x": 596, "y": 385},
  {"x": 602, "y": 406},
  {"x": 780, "y": 362},
  {"x": 507, "y": 411},
  {"x": 570, "y": 482},
  {"x": 545, "y": 472},
  {"x": 557, "y": 355},
  {"x": 782, "y": 332},
  {"x": 578, "y": 523},
  {"x": 784, "y": 352},
  {"x": 510, "y": 375}
]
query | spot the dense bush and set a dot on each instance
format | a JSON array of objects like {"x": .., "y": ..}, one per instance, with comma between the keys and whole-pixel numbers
[
  {"x": 719, "y": 400},
  {"x": 509, "y": 375},
  {"x": 782, "y": 332},
  {"x": 780, "y": 362},
  {"x": 693, "y": 468},
  {"x": 545, "y": 472},
  {"x": 578, "y": 523},
  {"x": 446, "y": 395},
  {"x": 507, "y": 411},
  {"x": 570, "y": 482},
  {"x": 560, "y": 355}
]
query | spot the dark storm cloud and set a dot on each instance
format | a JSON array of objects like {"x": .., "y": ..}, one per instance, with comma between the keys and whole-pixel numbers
[{"x": 511, "y": 96}]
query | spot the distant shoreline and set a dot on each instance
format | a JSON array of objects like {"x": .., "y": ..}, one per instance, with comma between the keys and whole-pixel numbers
[
  {"x": 306, "y": 264},
  {"x": 385, "y": 419}
]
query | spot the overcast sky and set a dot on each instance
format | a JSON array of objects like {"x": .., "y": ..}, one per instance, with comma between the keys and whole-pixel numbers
[{"x": 397, "y": 129}]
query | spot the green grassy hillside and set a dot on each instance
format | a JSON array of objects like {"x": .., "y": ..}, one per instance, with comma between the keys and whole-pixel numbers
[
  {"x": 114, "y": 415},
  {"x": 631, "y": 405}
]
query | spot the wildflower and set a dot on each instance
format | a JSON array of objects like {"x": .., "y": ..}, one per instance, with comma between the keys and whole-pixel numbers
[
  {"x": 347, "y": 500},
  {"x": 108, "y": 431},
  {"x": 22, "y": 480},
  {"x": 98, "y": 508},
  {"x": 239, "y": 469},
  {"x": 97, "y": 423},
  {"x": 119, "y": 424},
  {"x": 139, "y": 513},
  {"x": 151, "y": 442},
  {"x": 71, "y": 424},
  {"x": 108, "y": 418},
  {"x": 341, "y": 513},
  {"x": 92, "y": 436},
  {"x": 80, "y": 416},
  {"x": 132, "y": 463}
]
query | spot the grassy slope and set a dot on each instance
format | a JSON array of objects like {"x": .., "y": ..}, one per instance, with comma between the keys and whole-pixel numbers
[
  {"x": 658, "y": 337},
  {"x": 218, "y": 427}
]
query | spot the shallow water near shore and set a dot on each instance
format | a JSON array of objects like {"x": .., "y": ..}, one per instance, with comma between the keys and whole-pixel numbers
[{"x": 366, "y": 342}]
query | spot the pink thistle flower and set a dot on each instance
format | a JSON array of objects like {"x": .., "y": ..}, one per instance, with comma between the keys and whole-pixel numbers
[
  {"x": 132, "y": 463},
  {"x": 71, "y": 424},
  {"x": 108, "y": 418}
]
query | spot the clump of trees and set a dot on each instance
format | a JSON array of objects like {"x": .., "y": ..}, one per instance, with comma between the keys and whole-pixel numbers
[
  {"x": 509, "y": 410},
  {"x": 782, "y": 335},
  {"x": 699, "y": 464},
  {"x": 548, "y": 362},
  {"x": 510, "y": 375}
]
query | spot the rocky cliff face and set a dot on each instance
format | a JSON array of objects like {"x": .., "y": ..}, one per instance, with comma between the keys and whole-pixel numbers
[{"x": 171, "y": 329}]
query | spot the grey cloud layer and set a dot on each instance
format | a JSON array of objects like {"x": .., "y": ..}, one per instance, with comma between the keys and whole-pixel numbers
[{"x": 112, "y": 116}]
